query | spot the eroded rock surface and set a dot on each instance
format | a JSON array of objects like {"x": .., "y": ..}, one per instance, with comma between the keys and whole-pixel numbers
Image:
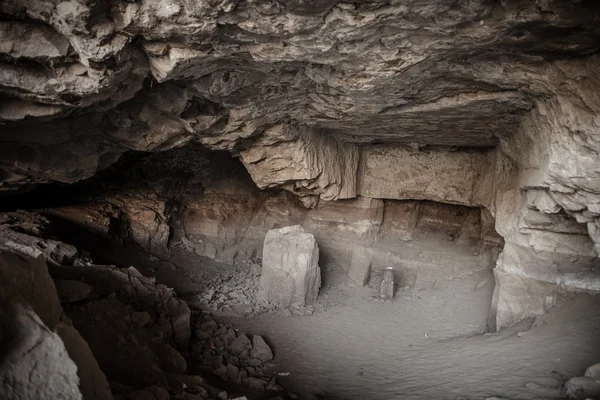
[
  {"x": 291, "y": 275},
  {"x": 480, "y": 103},
  {"x": 43, "y": 354}
]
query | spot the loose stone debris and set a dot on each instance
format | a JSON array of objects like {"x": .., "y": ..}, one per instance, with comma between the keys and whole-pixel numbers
[
  {"x": 138, "y": 331},
  {"x": 236, "y": 290},
  {"x": 231, "y": 356}
]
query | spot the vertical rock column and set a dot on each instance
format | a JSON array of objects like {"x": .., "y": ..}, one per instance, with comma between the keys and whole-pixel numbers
[{"x": 290, "y": 274}]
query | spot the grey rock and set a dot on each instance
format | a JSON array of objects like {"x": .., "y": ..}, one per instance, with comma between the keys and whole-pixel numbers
[
  {"x": 581, "y": 388},
  {"x": 240, "y": 346},
  {"x": 220, "y": 371},
  {"x": 141, "y": 318},
  {"x": 70, "y": 291},
  {"x": 232, "y": 371},
  {"x": 170, "y": 359},
  {"x": 257, "y": 383},
  {"x": 254, "y": 362},
  {"x": 37, "y": 366},
  {"x": 593, "y": 372},
  {"x": 290, "y": 275},
  {"x": 260, "y": 349}
]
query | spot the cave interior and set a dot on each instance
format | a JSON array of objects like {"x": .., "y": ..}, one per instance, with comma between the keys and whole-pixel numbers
[{"x": 199, "y": 200}]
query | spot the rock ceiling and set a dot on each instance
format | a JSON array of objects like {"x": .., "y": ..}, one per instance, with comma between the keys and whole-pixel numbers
[{"x": 83, "y": 81}]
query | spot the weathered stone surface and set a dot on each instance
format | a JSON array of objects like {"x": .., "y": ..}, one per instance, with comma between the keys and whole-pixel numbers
[
  {"x": 25, "y": 280},
  {"x": 70, "y": 291},
  {"x": 36, "y": 364},
  {"x": 407, "y": 173},
  {"x": 593, "y": 372},
  {"x": 241, "y": 345},
  {"x": 260, "y": 349},
  {"x": 224, "y": 73},
  {"x": 302, "y": 161},
  {"x": 290, "y": 275},
  {"x": 581, "y": 388}
]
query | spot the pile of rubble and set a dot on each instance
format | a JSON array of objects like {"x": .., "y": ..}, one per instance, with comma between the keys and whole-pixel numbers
[
  {"x": 233, "y": 289},
  {"x": 231, "y": 355},
  {"x": 236, "y": 290},
  {"x": 125, "y": 335}
]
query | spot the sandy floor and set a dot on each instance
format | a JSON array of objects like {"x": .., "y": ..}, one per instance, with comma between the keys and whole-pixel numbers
[
  {"x": 422, "y": 346},
  {"x": 425, "y": 344}
]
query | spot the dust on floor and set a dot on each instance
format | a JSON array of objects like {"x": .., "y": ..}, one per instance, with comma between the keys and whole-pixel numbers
[{"x": 423, "y": 346}]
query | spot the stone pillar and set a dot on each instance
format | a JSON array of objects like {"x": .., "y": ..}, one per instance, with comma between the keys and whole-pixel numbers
[
  {"x": 387, "y": 284},
  {"x": 290, "y": 273}
]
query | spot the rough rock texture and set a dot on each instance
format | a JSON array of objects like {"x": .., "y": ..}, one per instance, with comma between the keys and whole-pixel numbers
[
  {"x": 303, "y": 162},
  {"x": 481, "y": 103},
  {"x": 35, "y": 363},
  {"x": 290, "y": 273},
  {"x": 154, "y": 75},
  {"x": 63, "y": 365},
  {"x": 581, "y": 388}
]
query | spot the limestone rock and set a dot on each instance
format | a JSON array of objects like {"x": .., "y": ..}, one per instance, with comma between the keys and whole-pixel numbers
[
  {"x": 260, "y": 349},
  {"x": 298, "y": 158},
  {"x": 290, "y": 275}
]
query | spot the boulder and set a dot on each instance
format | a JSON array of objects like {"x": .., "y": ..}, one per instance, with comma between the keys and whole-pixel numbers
[
  {"x": 582, "y": 387},
  {"x": 290, "y": 275},
  {"x": 24, "y": 279},
  {"x": 260, "y": 349},
  {"x": 593, "y": 372},
  {"x": 170, "y": 359},
  {"x": 35, "y": 364}
]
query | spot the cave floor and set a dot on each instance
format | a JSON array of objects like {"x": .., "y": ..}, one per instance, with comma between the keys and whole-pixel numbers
[
  {"x": 412, "y": 348},
  {"x": 424, "y": 344}
]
